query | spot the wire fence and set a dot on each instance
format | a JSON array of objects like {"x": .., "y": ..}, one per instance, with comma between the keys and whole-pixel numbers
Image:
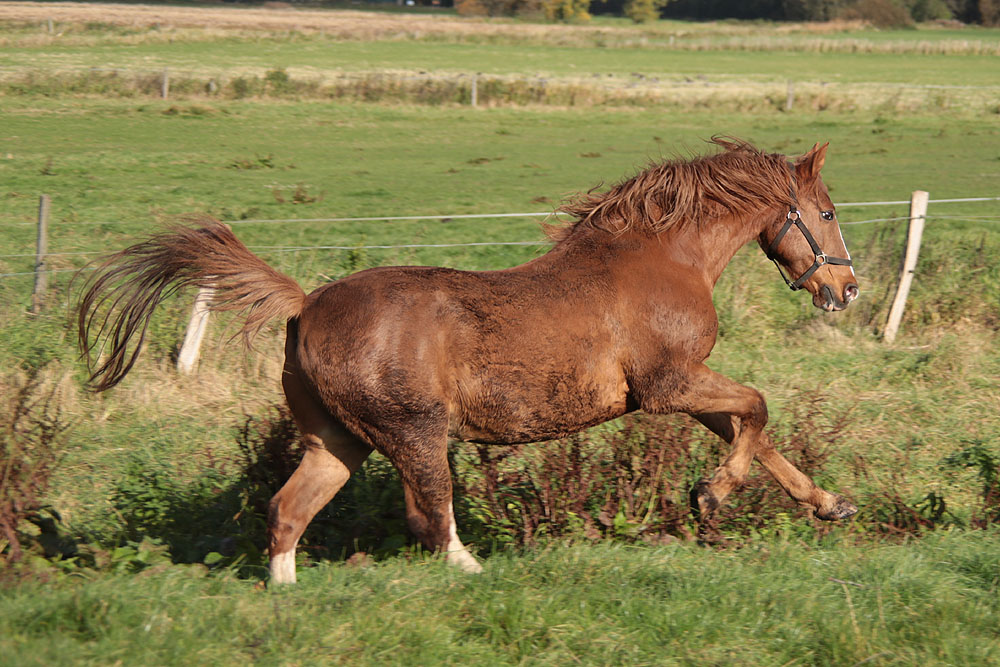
[
  {"x": 449, "y": 217},
  {"x": 593, "y": 88}
]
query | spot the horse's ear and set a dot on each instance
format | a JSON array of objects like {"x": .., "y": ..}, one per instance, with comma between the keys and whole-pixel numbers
[{"x": 809, "y": 165}]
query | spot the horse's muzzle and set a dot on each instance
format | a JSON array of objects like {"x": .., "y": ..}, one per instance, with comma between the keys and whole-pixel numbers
[{"x": 831, "y": 302}]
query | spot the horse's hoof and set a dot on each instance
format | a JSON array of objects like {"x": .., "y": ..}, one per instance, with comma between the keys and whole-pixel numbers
[
  {"x": 703, "y": 502},
  {"x": 841, "y": 509},
  {"x": 709, "y": 534}
]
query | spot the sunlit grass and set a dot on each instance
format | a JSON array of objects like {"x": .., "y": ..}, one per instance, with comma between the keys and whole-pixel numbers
[{"x": 930, "y": 603}]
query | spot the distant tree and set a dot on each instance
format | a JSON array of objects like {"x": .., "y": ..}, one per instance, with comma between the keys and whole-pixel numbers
[
  {"x": 723, "y": 9},
  {"x": 470, "y": 8},
  {"x": 811, "y": 10},
  {"x": 967, "y": 11},
  {"x": 879, "y": 13},
  {"x": 644, "y": 11},
  {"x": 498, "y": 7},
  {"x": 989, "y": 12},
  {"x": 928, "y": 10},
  {"x": 567, "y": 10}
]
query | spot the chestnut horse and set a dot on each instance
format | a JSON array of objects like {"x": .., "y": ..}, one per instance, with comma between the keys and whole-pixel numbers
[{"x": 617, "y": 316}]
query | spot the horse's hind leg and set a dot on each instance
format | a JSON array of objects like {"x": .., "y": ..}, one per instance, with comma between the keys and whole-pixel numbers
[
  {"x": 327, "y": 464},
  {"x": 332, "y": 455},
  {"x": 433, "y": 522},
  {"x": 426, "y": 477}
]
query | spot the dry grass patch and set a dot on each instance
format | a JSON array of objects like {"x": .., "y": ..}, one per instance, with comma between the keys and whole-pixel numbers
[
  {"x": 339, "y": 24},
  {"x": 718, "y": 93},
  {"x": 79, "y": 24}
]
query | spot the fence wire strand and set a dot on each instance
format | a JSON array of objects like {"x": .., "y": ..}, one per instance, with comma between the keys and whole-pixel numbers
[
  {"x": 410, "y": 218},
  {"x": 282, "y": 248}
]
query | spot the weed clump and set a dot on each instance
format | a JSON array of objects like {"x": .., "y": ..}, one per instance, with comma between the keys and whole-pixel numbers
[
  {"x": 31, "y": 442},
  {"x": 631, "y": 483},
  {"x": 987, "y": 466}
]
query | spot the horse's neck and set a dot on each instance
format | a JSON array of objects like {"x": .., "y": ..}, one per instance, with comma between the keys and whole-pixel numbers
[
  {"x": 707, "y": 247},
  {"x": 712, "y": 245}
]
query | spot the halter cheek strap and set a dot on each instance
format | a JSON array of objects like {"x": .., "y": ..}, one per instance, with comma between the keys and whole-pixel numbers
[{"x": 795, "y": 218}]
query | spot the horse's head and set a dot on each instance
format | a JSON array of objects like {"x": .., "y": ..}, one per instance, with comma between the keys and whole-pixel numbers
[{"x": 807, "y": 242}]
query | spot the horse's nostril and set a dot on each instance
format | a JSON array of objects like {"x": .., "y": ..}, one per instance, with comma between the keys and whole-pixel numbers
[{"x": 851, "y": 293}]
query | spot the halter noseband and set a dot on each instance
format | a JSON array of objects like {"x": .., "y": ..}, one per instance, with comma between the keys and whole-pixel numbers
[{"x": 795, "y": 218}]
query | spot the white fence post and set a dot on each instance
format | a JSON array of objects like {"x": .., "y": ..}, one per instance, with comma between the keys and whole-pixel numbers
[
  {"x": 918, "y": 214},
  {"x": 191, "y": 347}
]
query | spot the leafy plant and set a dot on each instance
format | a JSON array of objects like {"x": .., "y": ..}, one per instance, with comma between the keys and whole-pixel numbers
[{"x": 987, "y": 467}]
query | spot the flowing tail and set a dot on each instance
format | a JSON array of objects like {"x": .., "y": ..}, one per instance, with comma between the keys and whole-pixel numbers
[{"x": 119, "y": 298}]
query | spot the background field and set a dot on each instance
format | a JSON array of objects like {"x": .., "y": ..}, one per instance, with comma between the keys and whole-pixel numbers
[{"x": 154, "y": 500}]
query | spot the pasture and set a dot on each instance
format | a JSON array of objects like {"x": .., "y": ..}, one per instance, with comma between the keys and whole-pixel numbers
[{"x": 154, "y": 524}]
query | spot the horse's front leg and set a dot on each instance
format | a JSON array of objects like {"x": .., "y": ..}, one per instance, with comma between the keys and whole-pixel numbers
[
  {"x": 738, "y": 415},
  {"x": 794, "y": 482}
]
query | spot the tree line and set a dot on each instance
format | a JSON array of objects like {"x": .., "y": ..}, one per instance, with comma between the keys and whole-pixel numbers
[{"x": 880, "y": 13}]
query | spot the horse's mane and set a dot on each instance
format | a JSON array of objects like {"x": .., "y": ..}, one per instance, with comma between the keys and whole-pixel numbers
[{"x": 738, "y": 179}]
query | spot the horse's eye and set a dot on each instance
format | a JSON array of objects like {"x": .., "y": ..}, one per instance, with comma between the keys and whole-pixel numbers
[{"x": 827, "y": 215}]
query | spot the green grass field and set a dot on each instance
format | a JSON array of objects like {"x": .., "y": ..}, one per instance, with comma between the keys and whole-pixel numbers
[
  {"x": 931, "y": 603},
  {"x": 149, "y": 478}
]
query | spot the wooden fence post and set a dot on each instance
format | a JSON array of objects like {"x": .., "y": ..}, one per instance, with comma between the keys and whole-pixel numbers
[
  {"x": 790, "y": 96},
  {"x": 191, "y": 347},
  {"x": 474, "y": 94},
  {"x": 41, "y": 249},
  {"x": 918, "y": 214},
  {"x": 165, "y": 84}
]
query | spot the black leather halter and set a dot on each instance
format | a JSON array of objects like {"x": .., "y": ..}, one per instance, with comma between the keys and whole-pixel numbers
[{"x": 795, "y": 218}]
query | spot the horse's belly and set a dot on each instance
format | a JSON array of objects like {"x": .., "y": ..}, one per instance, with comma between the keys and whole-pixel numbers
[{"x": 518, "y": 407}]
